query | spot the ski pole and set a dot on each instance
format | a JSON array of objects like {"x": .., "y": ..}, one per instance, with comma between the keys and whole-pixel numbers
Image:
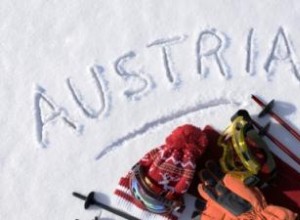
[
  {"x": 277, "y": 142},
  {"x": 90, "y": 200},
  {"x": 267, "y": 109}
]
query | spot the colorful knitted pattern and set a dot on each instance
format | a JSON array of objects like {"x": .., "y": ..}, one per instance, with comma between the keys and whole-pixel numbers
[{"x": 168, "y": 169}]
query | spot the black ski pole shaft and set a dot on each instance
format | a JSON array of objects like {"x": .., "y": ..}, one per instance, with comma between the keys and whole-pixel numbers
[
  {"x": 277, "y": 118},
  {"x": 90, "y": 200},
  {"x": 277, "y": 143}
]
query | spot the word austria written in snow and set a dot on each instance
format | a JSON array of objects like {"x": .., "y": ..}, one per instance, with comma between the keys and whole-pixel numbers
[{"x": 210, "y": 44}]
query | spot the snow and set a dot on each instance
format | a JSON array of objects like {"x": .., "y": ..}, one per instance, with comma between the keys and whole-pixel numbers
[{"x": 88, "y": 87}]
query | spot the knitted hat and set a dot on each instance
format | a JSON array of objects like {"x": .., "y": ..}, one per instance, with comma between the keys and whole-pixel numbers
[
  {"x": 154, "y": 187},
  {"x": 169, "y": 170}
]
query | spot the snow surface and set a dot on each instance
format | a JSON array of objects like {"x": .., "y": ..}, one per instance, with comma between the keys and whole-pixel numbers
[{"x": 89, "y": 86}]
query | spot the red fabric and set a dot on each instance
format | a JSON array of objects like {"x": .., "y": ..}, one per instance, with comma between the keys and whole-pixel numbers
[
  {"x": 172, "y": 166},
  {"x": 285, "y": 190}
]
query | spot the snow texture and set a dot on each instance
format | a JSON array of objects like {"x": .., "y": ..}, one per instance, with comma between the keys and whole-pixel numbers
[{"x": 89, "y": 86}]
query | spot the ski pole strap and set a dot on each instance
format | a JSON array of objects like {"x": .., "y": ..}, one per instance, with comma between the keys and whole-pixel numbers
[{"x": 245, "y": 154}]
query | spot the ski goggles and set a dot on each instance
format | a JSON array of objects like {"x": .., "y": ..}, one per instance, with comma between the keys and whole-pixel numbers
[{"x": 151, "y": 202}]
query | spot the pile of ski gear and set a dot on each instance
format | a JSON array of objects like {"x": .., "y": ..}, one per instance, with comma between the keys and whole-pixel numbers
[
  {"x": 230, "y": 175},
  {"x": 234, "y": 175},
  {"x": 159, "y": 180}
]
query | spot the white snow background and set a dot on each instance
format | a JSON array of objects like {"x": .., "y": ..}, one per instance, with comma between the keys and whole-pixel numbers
[{"x": 89, "y": 86}]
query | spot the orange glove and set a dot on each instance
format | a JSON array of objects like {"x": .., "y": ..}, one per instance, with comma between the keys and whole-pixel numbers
[{"x": 230, "y": 199}]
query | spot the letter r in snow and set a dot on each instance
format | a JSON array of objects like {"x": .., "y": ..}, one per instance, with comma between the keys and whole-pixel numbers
[{"x": 209, "y": 44}]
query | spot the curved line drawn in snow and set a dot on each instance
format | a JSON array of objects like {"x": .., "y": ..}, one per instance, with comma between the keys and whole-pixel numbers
[{"x": 160, "y": 121}]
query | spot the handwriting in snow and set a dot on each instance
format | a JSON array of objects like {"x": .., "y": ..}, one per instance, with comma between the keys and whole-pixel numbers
[{"x": 281, "y": 50}]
